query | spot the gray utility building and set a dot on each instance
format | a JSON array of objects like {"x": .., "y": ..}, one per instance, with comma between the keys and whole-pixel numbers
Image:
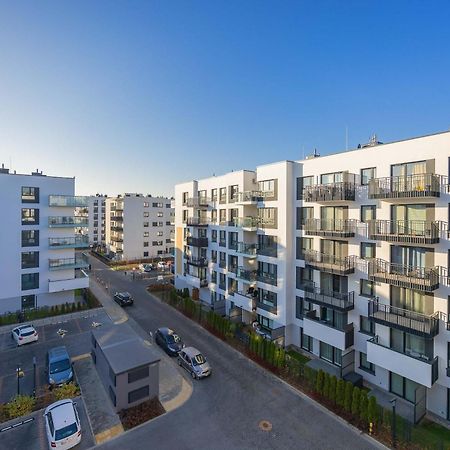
[{"x": 127, "y": 366}]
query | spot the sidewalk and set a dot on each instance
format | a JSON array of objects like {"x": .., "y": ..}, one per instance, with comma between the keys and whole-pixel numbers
[{"x": 114, "y": 311}]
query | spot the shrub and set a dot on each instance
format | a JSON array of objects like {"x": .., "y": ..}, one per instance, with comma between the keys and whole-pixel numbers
[
  {"x": 185, "y": 292},
  {"x": 20, "y": 406},
  {"x": 326, "y": 385},
  {"x": 348, "y": 393},
  {"x": 68, "y": 390},
  {"x": 372, "y": 410},
  {"x": 355, "y": 401},
  {"x": 340, "y": 388},
  {"x": 363, "y": 404},
  {"x": 320, "y": 381},
  {"x": 332, "y": 389}
]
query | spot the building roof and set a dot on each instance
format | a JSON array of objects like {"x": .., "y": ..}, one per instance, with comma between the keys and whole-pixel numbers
[{"x": 123, "y": 348}]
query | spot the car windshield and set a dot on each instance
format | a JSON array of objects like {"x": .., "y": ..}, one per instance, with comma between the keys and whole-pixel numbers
[
  {"x": 125, "y": 296},
  {"x": 173, "y": 339},
  {"x": 60, "y": 366},
  {"x": 66, "y": 432},
  {"x": 199, "y": 359},
  {"x": 27, "y": 333}
]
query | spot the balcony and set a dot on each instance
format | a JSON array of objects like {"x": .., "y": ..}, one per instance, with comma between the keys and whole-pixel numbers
[
  {"x": 405, "y": 320},
  {"x": 118, "y": 207},
  {"x": 81, "y": 281},
  {"x": 330, "y": 227},
  {"x": 232, "y": 245},
  {"x": 116, "y": 239},
  {"x": 197, "y": 221},
  {"x": 266, "y": 306},
  {"x": 69, "y": 242},
  {"x": 248, "y": 197},
  {"x": 198, "y": 202},
  {"x": 197, "y": 242},
  {"x": 67, "y": 222},
  {"x": 197, "y": 262},
  {"x": 266, "y": 277},
  {"x": 267, "y": 222},
  {"x": 222, "y": 264},
  {"x": 401, "y": 275},
  {"x": 330, "y": 263},
  {"x": 246, "y": 274},
  {"x": 272, "y": 334},
  {"x": 341, "y": 191},
  {"x": 71, "y": 201},
  {"x": 245, "y": 301},
  {"x": 335, "y": 300},
  {"x": 232, "y": 268},
  {"x": 117, "y": 229},
  {"x": 267, "y": 250},
  {"x": 319, "y": 329},
  {"x": 117, "y": 218},
  {"x": 409, "y": 186},
  {"x": 79, "y": 262},
  {"x": 246, "y": 223},
  {"x": 422, "y": 369},
  {"x": 410, "y": 232},
  {"x": 195, "y": 281},
  {"x": 248, "y": 250}
]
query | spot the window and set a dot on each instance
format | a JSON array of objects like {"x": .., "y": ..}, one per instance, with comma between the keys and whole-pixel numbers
[
  {"x": 157, "y": 243},
  {"x": 306, "y": 341},
  {"x": 138, "y": 394},
  {"x": 145, "y": 254},
  {"x": 302, "y": 182},
  {"x": 364, "y": 364},
  {"x": 330, "y": 354},
  {"x": 214, "y": 195},
  {"x": 146, "y": 214},
  {"x": 367, "y": 288},
  {"x": 302, "y": 245},
  {"x": 159, "y": 233},
  {"x": 222, "y": 216},
  {"x": 403, "y": 387},
  {"x": 332, "y": 178},
  {"x": 30, "y": 216},
  {"x": 185, "y": 197},
  {"x": 30, "y": 238},
  {"x": 28, "y": 301},
  {"x": 157, "y": 205},
  {"x": 145, "y": 243},
  {"x": 233, "y": 190},
  {"x": 302, "y": 307},
  {"x": 30, "y": 260},
  {"x": 223, "y": 195},
  {"x": 146, "y": 234},
  {"x": 30, "y": 281},
  {"x": 366, "y": 326},
  {"x": 146, "y": 224},
  {"x": 146, "y": 204},
  {"x": 264, "y": 321},
  {"x": 214, "y": 235},
  {"x": 367, "y": 250},
  {"x": 138, "y": 374},
  {"x": 368, "y": 212},
  {"x": 267, "y": 187},
  {"x": 159, "y": 214},
  {"x": 268, "y": 217},
  {"x": 30, "y": 194},
  {"x": 303, "y": 214},
  {"x": 367, "y": 175}
]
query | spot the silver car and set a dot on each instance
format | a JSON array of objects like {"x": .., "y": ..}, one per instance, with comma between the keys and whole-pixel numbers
[{"x": 194, "y": 362}]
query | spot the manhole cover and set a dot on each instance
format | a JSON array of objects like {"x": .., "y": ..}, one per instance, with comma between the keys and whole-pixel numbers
[{"x": 265, "y": 425}]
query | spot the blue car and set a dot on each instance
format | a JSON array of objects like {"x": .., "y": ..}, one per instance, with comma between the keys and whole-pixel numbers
[{"x": 59, "y": 367}]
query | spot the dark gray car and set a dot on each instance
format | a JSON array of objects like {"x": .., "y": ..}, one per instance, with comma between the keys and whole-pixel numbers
[{"x": 194, "y": 362}]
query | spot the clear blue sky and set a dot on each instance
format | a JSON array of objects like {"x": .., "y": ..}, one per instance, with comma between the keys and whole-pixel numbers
[{"x": 139, "y": 95}]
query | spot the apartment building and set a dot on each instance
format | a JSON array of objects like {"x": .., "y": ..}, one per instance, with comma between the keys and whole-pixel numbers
[
  {"x": 343, "y": 256},
  {"x": 139, "y": 226},
  {"x": 39, "y": 264},
  {"x": 95, "y": 212}
]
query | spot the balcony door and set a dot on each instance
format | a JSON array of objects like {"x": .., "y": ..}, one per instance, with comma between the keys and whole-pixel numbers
[
  {"x": 332, "y": 217},
  {"x": 411, "y": 300},
  {"x": 333, "y": 283},
  {"x": 337, "y": 249},
  {"x": 408, "y": 176},
  {"x": 406, "y": 258},
  {"x": 409, "y": 219}
]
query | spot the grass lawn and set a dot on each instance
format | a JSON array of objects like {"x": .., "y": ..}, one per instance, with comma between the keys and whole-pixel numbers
[
  {"x": 430, "y": 433},
  {"x": 125, "y": 267},
  {"x": 298, "y": 356}
]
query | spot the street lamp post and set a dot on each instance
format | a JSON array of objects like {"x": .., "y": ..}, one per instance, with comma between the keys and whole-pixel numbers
[
  {"x": 394, "y": 423},
  {"x": 34, "y": 376}
]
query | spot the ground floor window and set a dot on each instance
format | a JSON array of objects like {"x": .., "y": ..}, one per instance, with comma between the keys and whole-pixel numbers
[
  {"x": 306, "y": 342},
  {"x": 403, "y": 387},
  {"x": 331, "y": 354},
  {"x": 364, "y": 364},
  {"x": 28, "y": 301},
  {"x": 264, "y": 321}
]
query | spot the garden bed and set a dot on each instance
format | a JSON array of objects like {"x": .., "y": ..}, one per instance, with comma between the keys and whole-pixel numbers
[{"x": 148, "y": 410}]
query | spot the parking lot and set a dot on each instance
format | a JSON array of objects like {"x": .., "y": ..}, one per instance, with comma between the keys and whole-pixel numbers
[
  {"x": 74, "y": 334},
  {"x": 32, "y": 436}
]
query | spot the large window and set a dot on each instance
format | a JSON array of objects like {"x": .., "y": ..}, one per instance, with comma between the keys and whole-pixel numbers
[
  {"x": 30, "y": 260},
  {"x": 138, "y": 394},
  {"x": 403, "y": 387},
  {"x": 267, "y": 187},
  {"x": 367, "y": 288},
  {"x": 364, "y": 364},
  {"x": 302, "y": 182},
  {"x": 30, "y": 194},
  {"x": 367, "y": 250},
  {"x": 331, "y": 354},
  {"x": 28, "y": 301},
  {"x": 30, "y": 216},
  {"x": 331, "y": 178},
  {"x": 306, "y": 341},
  {"x": 30, "y": 281},
  {"x": 233, "y": 190},
  {"x": 138, "y": 374},
  {"x": 366, "y": 326},
  {"x": 368, "y": 174},
  {"x": 368, "y": 212},
  {"x": 30, "y": 238}
]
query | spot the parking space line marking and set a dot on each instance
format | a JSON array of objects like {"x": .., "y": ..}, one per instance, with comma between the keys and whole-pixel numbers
[
  {"x": 78, "y": 357},
  {"x": 77, "y": 322}
]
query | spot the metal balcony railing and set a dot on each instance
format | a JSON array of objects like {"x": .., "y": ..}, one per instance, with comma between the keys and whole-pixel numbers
[
  {"x": 246, "y": 222},
  {"x": 197, "y": 221},
  {"x": 340, "y": 191},
  {"x": 403, "y": 319},
  {"x": 335, "y": 300},
  {"x": 341, "y": 265},
  {"x": 267, "y": 250},
  {"x": 196, "y": 202},
  {"x": 402, "y": 275},
  {"x": 330, "y": 227},
  {"x": 266, "y": 222},
  {"x": 72, "y": 201},
  {"x": 197, "y": 242},
  {"x": 409, "y": 231},
  {"x": 266, "y": 277},
  {"x": 407, "y": 186},
  {"x": 249, "y": 197},
  {"x": 197, "y": 262}
]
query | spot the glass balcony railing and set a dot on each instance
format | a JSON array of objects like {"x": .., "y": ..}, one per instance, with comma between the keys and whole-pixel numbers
[
  {"x": 69, "y": 242},
  {"x": 247, "y": 249},
  {"x": 79, "y": 262},
  {"x": 246, "y": 274},
  {"x": 266, "y": 277},
  {"x": 267, "y": 250},
  {"x": 249, "y": 197},
  {"x": 67, "y": 221},
  {"x": 409, "y": 231},
  {"x": 249, "y": 223},
  {"x": 197, "y": 242},
  {"x": 72, "y": 201}
]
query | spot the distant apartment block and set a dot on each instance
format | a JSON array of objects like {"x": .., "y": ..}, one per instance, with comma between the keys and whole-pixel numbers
[
  {"x": 343, "y": 256},
  {"x": 95, "y": 212},
  {"x": 38, "y": 241},
  {"x": 139, "y": 226}
]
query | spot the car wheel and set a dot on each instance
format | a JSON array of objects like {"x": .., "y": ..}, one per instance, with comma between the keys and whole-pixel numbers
[{"x": 193, "y": 375}]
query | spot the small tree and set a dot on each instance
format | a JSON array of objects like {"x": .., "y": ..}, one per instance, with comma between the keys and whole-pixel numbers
[
  {"x": 355, "y": 401},
  {"x": 20, "y": 406},
  {"x": 340, "y": 388},
  {"x": 332, "y": 389},
  {"x": 348, "y": 394},
  {"x": 319, "y": 381},
  {"x": 363, "y": 404},
  {"x": 326, "y": 385},
  {"x": 372, "y": 410},
  {"x": 69, "y": 390}
]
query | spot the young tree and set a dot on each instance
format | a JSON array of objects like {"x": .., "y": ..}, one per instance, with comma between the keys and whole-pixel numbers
[
  {"x": 332, "y": 389},
  {"x": 363, "y": 404},
  {"x": 348, "y": 396},
  {"x": 340, "y": 387},
  {"x": 372, "y": 410},
  {"x": 326, "y": 385},
  {"x": 319, "y": 381},
  {"x": 355, "y": 401}
]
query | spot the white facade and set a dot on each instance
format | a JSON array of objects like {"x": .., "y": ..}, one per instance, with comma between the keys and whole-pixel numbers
[
  {"x": 362, "y": 253},
  {"x": 96, "y": 215},
  {"x": 139, "y": 226},
  {"x": 38, "y": 241}
]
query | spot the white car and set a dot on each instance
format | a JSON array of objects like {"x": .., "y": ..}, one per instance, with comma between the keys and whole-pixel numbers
[
  {"x": 162, "y": 265},
  {"x": 62, "y": 425},
  {"x": 24, "y": 334}
]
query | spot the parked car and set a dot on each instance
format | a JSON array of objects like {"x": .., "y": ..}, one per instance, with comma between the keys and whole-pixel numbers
[
  {"x": 123, "y": 298},
  {"x": 169, "y": 341},
  {"x": 62, "y": 425},
  {"x": 194, "y": 362},
  {"x": 24, "y": 334},
  {"x": 146, "y": 267},
  {"x": 59, "y": 367},
  {"x": 162, "y": 265}
]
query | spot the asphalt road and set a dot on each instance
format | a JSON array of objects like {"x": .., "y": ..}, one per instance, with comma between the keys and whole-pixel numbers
[{"x": 225, "y": 410}]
